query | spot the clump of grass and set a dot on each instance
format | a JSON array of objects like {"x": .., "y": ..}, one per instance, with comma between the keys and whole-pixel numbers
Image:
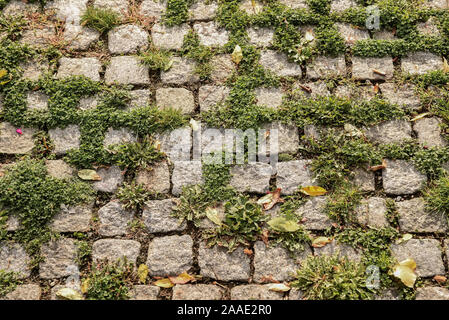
[
  {"x": 99, "y": 19},
  {"x": 8, "y": 282},
  {"x": 132, "y": 195},
  {"x": 341, "y": 204},
  {"x": 437, "y": 196},
  {"x": 157, "y": 59}
]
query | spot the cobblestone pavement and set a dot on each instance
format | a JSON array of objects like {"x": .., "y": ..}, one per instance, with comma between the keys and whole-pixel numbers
[{"x": 362, "y": 113}]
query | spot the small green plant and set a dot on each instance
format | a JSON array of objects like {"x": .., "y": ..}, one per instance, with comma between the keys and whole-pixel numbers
[
  {"x": 341, "y": 204},
  {"x": 99, "y": 19},
  {"x": 8, "y": 282},
  {"x": 157, "y": 59},
  {"x": 177, "y": 12},
  {"x": 84, "y": 253},
  {"x": 193, "y": 49},
  {"x": 332, "y": 278},
  {"x": 437, "y": 196},
  {"x": 132, "y": 195}
]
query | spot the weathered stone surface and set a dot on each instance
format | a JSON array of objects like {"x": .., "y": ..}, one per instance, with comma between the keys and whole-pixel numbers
[
  {"x": 254, "y": 292},
  {"x": 144, "y": 292},
  {"x": 68, "y": 10},
  {"x": 59, "y": 169},
  {"x": 383, "y": 35},
  {"x": 79, "y": 37},
  {"x": 292, "y": 174},
  {"x": 155, "y": 179},
  {"x": 251, "y": 7},
  {"x": 269, "y": 97},
  {"x": 13, "y": 223},
  {"x": 358, "y": 93},
  {"x": 117, "y": 6},
  {"x": 88, "y": 67},
  {"x": 295, "y": 4},
  {"x": 118, "y": 136},
  {"x": 24, "y": 292},
  {"x": 209, "y": 96},
  {"x": 326, "y": 67},
  {"x": 287, "y": 137},
  {"x": 261, "y": 37},
  {"x": 197, "y": 292},
  {"x": 351, "y": 34},
  {"x": 59, "y": 257},
  {"x": 87, "y": 103},
  {"x": 33, "y": 69},
  {"x": 222, "y": 67},
  {"x": 295, "y": 294},
  {"x": 342, "y": 5},
  {"x": 73, "y": 219},
  {"x": 403, "y": 95},
  {"x": 157, "y": 216},
  {"x": 275, "y": 263},
  {"x": 38, "y": 38},
  {"x": 18, "y": 7},
  {"x": 126, "y": 70},
  {"x": 372, "y": 68},
  {"x": 429, "y": 132},
  {"x": 177, "y": 98},
  {"x": 429, "y": 28},
  {"x": 182, "y": 71},
  {"x": 186, "y": 173},
  {"x": 217, "y": 263},
  {"x": 432, "y": 293},
  {"x": 203, "y": 10},
  {"x": 169, "y": 256},
  {"x": 402, "y": 177},
  {"x": 364, "y": 179},
  {"x": 413, "y": 217},
  {"x": 372, "y": 212},
  {"x": 313, "y": 214},
  {"x": 37, "y": 100},
  {"x": 13, "y": 143},
  {"x": 425, "y": 252},
  {"x": 210, "y": 34},
  {"x": 437, "y": 4},
  {"x": 252, "y": 177},
  {"x": 111, "y": 179},
  {"x": 114, "y": 219},
  {"x": 139, "y": 98},
  {"x": 392, "y": 131},
  {"x": 176, "y": 144},
  {"x": 277, "y": 63},
  {"x": 127, "y": 39},
  {"x": 170, "y": 38},
  {"x": 113, "y": 250},
  {"x": 153, "y": 8},
  {"x": 341, "y": 249},
  {"x": 13, "y": 258},
  {"x": 388, "y": 294},
  {"x": 311, "y": 90},
  {"x": 65, "y": 139},
  {"x": 421, "y": 62}
]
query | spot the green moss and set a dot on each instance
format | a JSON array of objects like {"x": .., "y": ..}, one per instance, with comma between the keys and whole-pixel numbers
[
  {"x": 201, "y": 54},
  {"x": 99, "y": 19},
  {"x": 157, "y": 59},
  {"x": 84, "y": 253},
  {"x": 177, "y": 12},
  {"x": 8, "y": 282},
  {"x": 437, "y": 196},
  {"x": 341, "y": 204}
]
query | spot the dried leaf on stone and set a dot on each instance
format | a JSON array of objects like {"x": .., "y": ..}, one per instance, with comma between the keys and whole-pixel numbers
[
  {"x": 183, "y": 278},
  {"x": 265, "y": 233},
  {"x": 283, "y": 224},
  {"x": 164, "y": 283},
  {"x": 237, "y": 54},
  {"x": 194, "y": 124},
  {"x": 213, "y": 215},
  {"x": 445, "y": 66},
  {"x": 69, "y": 294},
  {"x": 85, "y": 285},
  {"x": 275, "y": 198},
  {"x": 376, "y": 88},
  {"x": 309, "y": 35},
  {"x": 422, "y": 115},
  {"x": 247, "y": 251},
  {"x": 320, "y": 242},
  {"x": 379, "y": 167},
  {"x": 440, "y": 279},
  {"x": 265, "y": 199},
  {"x": 379, "y": 72},
  {"x": 405, "y": 237},
  {"x": 142, "y": 273},
  {"x": 88, "y": 174},
  {"x": 313, "y": 191},
  {"x": 278, "y": 287},
  {"x": 405, "y": 271}
]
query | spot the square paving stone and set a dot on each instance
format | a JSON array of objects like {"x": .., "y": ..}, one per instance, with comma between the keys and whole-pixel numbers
[
  {"x": 341, "y": 249},
  {"x": 113, "y": 250},
  {"x": 144, "y": 292},
  {"x": 295, "y": 4},
  {"x": 169, "y": 38},
  {"x": 217, "y": 263},
  {"x": 372, "y": 68},
  {"x": 126, "y": 70},
  {"x": 437, "y": 4},
  {"x": 176, "y": 144},
  {"x": 402, "y": 177},
  {"x": 342, "y": 5},
  {"x": 209, "y": 96},
  {"x": 429, "y": 132},
  {"x": 155, "y": 179},
  {"x": 59, "y": 169},
  {"x": 421, "y": 63},
  {"x": 127, "y": 39},
  {"x": 114, "y": 219},
  {"x": 254, "y": 292},
  {"x": 176, "y": 98},
  {"x": 153, "y": 8},
  {"x": 79, "y": 37},
  {"x": 312, "y": 212},
  {"x": 119, "y": 136},
  {"x": 182, "y": 71},
  {"x": 428, "y": 28},
  {"x": 403, "y": 95},
  {"x": 351, "y": 34},
  {"x": 88, "y": 67},
  {"x": 139, "y": 98},
  {"x": 65, "y": 139},
  {"x": 59, "y": 257},
  {"x": 34, "y": 68},
  {"x": 392, "y": 131},
  {"x": 260, "y": 37},
  {"x": 326, "y": 67},
  {"x": 364, "y": 179},
  {"x": 203, "y": 10},
  {"x": 37, "y": 101},
  {"x": 73, "y": 219},
  {"x": 67, "y": 9},
  {"x": 276, "y": 262},
  {"x": 118, "y": 6},
  {"x": 425, "y": 252},
  {"x": 13, "y": 143},
  {"x": 292, "y": 174},
  {"x": 372, "y": 212},
  {"x": 278, "y": 64},
  {"x": 222, "y": 67},
  {"x": 111, "y": 179},
  {"x": 413, "y": 217},
  {"x": 170, "y": 255},
  {"x": 252, "y": 177},
  {"x": 251, "y": 7},
  {"x": 186, "y": 173},
  {"x": 287, "y": 138},
  {"x": 269, "y": 97},
  {"x": 24, "y": 292},
  {"x": 311, "y": 90},
  {"x": 210, "y": 34},
  {"x": 432, "y": 293},
  {"x": 13, "y": 258},
  {"x": 157, "y": 216},
  {"x": 38, "y": 38},
  {"x": 17, "y": 7},
  {"x": 197, "y": 292}
]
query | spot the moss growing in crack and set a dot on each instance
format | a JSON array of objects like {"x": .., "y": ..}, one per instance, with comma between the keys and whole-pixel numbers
[
  {"x": 8, "y": 282},
  {"x": 100, "y": 19},
  {"x": 177, "y": 12},
  {"x": 341, "y": 204},
  {"x": 193, "y": 49},
  {"x": 157, "y": 59},
  {"x": 84, "y": 253},
  {"x": 437, "y": 196}
]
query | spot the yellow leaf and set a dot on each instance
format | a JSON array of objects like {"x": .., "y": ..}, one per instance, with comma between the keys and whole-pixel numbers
[
  {"x": 85, "y": 285},
  {"x": 194, "y": 124},
  {"x": 3, "y": 73},
  {"x": 407, "y": 237},
  {"x": 409, "y": 263},
  {"x": 164, "y": 283},
  {"x": 278, "y": 287},
  {"x": 212, "y": 215},
  {"x": 405, "y": 271},
  {"x": 142, "y": 272},
  {"x": 88, "y": 174},
  {"x": 320, "y": 242},
  {"x": 445, "y": 66},
  {"x": 69, "y": 294},
  {"x": 422, "y": 115},
  {"x": 313, "y": 191},
  {"x": 283, "y": 224},
  {"x": 237, "y": 54},
  {"x": 183, "y": 278}
]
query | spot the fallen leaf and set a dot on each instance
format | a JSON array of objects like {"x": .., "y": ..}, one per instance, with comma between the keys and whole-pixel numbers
[
  {"x": 69, "y": 294},
  {"x": 309, "y": 35},
  {"x": 212, "y": 215},
  {"x": 376, "y": 88},
  {"x": 276, "y": 198},
  {"x": 305, "y": 88},
  {"x": 379, "y": 167},
  {"x": 445, "y": 66},
  {"x": 265, "y": 199},
  {"x": 283, "y": 224},
  {"x": 278, "y": 287},
  {"x": 157, "y": 145},
  {"x": 88, "y": 174},
  {"x": 405, "y": 271},
  {"x": 379, "y": 72},
  {"x": 142, "y": 273},
  {"x": 440, "y": 279},
  {"x": 320, "y": 242},
  {"x": 183, "y": 278},
  {"x": 265, "y": 233},
  {"x": 313, "y": 191},
  {"x": 194, "y": 124},
  {"x": 164, "y": 283},
  {"x": 407, "y": 237},
  {"x": 3, "y": 73},
  {"x": 247, "y": 251},
  {"x": 85, "y": 285},
  {"x": 237, "y": 54},
  {"x": 422, "y": 115}
]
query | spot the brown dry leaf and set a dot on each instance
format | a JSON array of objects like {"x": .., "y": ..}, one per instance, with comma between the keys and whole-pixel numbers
[
  {"x": 276, "y": 198},
  {"x": 265, "y": 233},
  {"x": 313, "y": 191},
  {"x": 268, "y": 279},
  {"x": 183, "y": 278},
  {"x": 440, "y": 279},
  {"x": 320, "y": 242},
  {"x": 379, "y": 72},
  {"x": 405, "y": 271},
  {"x": 247, "y": 251},
  {"x": 376, "y": 88},
  {"x": 164, "y": 283},
  {"x": 379, "y": 167}
]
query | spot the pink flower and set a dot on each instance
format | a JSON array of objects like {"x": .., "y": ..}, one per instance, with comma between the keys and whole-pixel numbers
[{"x": 19, "y": 131}]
